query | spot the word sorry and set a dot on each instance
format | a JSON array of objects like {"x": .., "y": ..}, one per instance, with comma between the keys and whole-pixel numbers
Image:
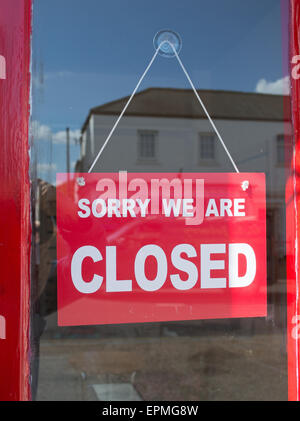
[
  {"x": 185, "y": 207},
  {"x": 157, "y": 196}
]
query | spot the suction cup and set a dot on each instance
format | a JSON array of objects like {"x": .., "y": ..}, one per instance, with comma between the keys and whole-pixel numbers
[{"x": 164, "y": 40}]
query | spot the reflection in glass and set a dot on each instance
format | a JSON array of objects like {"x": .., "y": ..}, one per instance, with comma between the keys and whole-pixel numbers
[{"x": 163, "y": 130}]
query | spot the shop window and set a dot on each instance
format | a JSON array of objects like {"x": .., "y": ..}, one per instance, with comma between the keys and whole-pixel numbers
[{"x": 202, "y": 348}]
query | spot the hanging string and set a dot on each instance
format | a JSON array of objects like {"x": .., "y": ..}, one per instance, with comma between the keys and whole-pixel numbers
[
  {"x": 125, "y": 108},
  {"x": 136, "y": 88}
]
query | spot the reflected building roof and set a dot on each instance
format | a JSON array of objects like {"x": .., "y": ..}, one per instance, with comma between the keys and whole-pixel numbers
[{"x": 182, "y": 103}]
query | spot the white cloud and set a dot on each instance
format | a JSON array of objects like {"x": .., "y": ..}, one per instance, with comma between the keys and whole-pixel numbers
[
  {"x": 40, "y": 131},
  {"x": 278, "y": 87},
  {"x": 40, "y": 78},
  {"x": 44, "y": 167},
  {"x": 44, "y": 132}
]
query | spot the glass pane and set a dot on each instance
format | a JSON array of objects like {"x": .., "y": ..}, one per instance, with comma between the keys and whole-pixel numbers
[{"x": 88, "y": 58}]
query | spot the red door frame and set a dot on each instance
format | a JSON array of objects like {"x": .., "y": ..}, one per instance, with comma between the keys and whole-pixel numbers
[
  {"x": 15, "y": 225},
  {"x": 293, "y": 210}
]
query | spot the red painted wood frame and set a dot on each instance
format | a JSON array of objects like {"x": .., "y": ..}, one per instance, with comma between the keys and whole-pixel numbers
[
  {"x": 15, "y": 231},
  {"x": 15, "y": 227},
  {"x": 293, "y": 210}
]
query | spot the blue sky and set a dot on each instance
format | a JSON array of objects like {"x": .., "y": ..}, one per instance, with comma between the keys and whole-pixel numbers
[{"x": 86, "y": 53}]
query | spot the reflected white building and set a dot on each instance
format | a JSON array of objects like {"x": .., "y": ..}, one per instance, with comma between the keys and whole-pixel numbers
[{"x": 166, "y": 129}]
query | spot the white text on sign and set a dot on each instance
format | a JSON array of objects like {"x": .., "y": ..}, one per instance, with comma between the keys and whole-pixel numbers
[
  {"x": 124, "y": 199},
  {"x": 178, "y": 262}
]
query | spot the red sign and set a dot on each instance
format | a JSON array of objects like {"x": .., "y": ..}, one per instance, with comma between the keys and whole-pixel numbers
[{"x": 145, "y": 247}]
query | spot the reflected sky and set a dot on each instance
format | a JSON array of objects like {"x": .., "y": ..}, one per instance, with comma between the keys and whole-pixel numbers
[{"x": 88, "y": 53}]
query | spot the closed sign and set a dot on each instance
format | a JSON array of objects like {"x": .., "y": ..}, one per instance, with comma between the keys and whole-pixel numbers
[{"x": 146, "y": 247}]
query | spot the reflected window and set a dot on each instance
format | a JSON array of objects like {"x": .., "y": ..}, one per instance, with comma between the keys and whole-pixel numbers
[
  {"x": 207, "y": 146},
  {"x": 147, "y": 145}
]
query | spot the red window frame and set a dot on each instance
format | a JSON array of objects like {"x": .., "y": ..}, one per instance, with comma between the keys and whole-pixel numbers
[
  {"x": 15, "y": 226},
  {"x": 15, "y": 222},
  {"x": 292, "y": 211}
]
